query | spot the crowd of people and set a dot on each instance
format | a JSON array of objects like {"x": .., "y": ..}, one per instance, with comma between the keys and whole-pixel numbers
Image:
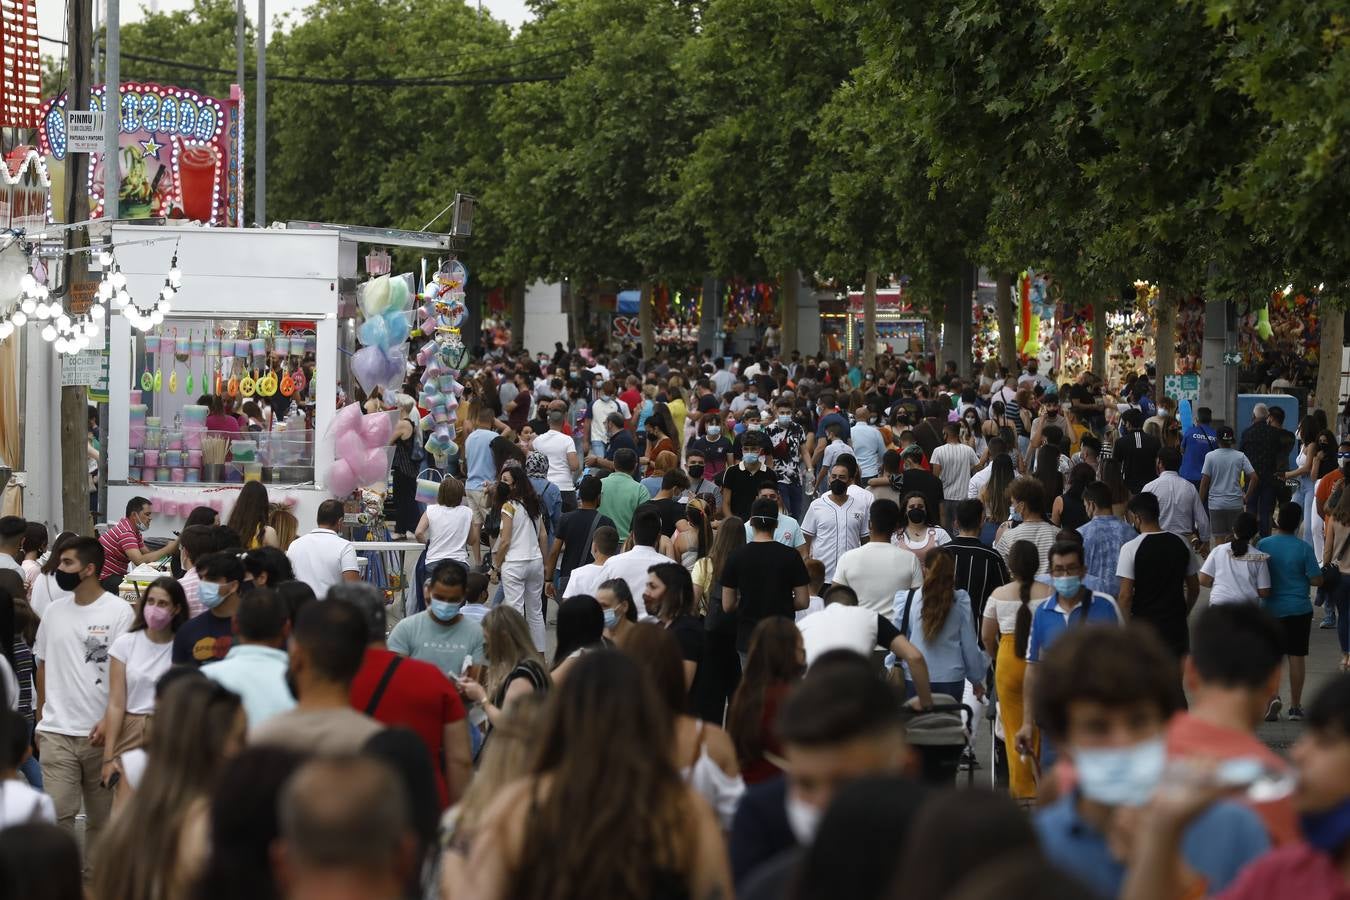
[{"x": 687, "y": 627}]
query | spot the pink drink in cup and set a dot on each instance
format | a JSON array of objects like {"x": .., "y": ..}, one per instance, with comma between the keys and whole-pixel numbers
[{"x": 197, "y": 180}]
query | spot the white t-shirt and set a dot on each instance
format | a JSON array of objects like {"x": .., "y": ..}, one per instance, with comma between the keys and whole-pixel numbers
[
  {"x": 937, "y": 533},
  {"x": 556, "y": 445},
  {"x": 448, "y": 532},
  {"x": 524, "y": 545},
  {"x": 9, "y": 562},
  {"x": 584, "y": 580},
  {"x": 632, "y": 567},
  {"x": 73, "y": 642},
  {"x": 1236, "y": 580},
  {"x": 957, "y": 461},
  {"x": 839, "y": 627},
  {"x": 145, "y": 661},
  {"x": 22, "y": 804},
  {"x": 320, "y": 557},
  {"x": 45, "y": 593},
  {"x": 813, "y": 606},
  {"x": 876, "y": 571}
]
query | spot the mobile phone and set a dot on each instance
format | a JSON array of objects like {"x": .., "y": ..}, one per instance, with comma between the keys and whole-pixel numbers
[{"x": 113, "y": 780}]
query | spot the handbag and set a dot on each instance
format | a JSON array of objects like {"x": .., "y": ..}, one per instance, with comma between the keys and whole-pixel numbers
[{"x": 1331, "y": 570}]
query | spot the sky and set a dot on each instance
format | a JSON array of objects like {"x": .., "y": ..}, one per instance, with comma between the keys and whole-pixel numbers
[{"x": 51, "y": 13}]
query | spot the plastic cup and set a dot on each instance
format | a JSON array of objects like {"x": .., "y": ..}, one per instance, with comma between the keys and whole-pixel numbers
[
  {"x": 163, "y": 474},
  {"x": 151, "y": 458},
  {"x": 152, "y": 343},
  {"x": 198, "y": 168},
  {"x": 177, "y": 475}
]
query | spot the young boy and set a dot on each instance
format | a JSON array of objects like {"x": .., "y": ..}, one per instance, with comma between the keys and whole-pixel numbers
[
  {"x": 1104, "y": 695},
  {"x": 20, "y": 803},
  {"x": 815, "y": 570}
]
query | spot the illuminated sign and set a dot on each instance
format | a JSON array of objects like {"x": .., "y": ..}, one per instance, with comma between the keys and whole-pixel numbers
[{"x": 181, "y": 153}]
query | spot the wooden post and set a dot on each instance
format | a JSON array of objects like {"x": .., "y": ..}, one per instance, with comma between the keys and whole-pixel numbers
[
  {"x": 1007, "y": 322},
  {"x": 75, "y": 400},
  {"x": 1332, "y": 340},
  {"x": 869, "y": 338}
]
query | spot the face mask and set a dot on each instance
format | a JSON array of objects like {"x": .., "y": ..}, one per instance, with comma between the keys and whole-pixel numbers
[
  {"x": 752, "y": 459},
  {"x": 803, "y": 819},
  {"x": 208, "y": 592},
  {"x": 784, "y": 420},
  {"x": 136, "y": 523},
  {"x": 1067, "y": 585},
  {"x": 752, "y": 396},
  {"x": 67, "y": 581},
  {"x": 607, "y": 397},
  {"x": 157, "y": 618},
  {"x": 503, "y": 490},
  {"x": 1121, "y": 776},
  {"x": 916, "y": 515},
  {"x": 611, "y": 618},
  {"x": 714, "y": 431},
  {"x": 444, "y": 609},
  {"x": 695, "y": 471},
  {"x": 838, "y": 487},
  {"x": 1327, "y": 831}
]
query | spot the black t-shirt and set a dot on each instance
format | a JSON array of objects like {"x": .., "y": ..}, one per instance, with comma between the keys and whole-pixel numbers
[
  {"x": 886, "y": 632},
  {"x": 203, "y": 639},
  {"x": 670, "y": 510},
  {"x": 688, "y": 630},
  {"x": 1160, "y": 565},
  {"x": 619, "y": 440},
  {"x": 1137, "y": 455},
  {"x": 764, "y": 573},
  {"x": 572, "y": 530},
  {"x": 742, "y": 486},
  {"x": 707, "y": 403}
]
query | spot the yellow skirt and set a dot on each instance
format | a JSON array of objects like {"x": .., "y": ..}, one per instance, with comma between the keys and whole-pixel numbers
[{"x": 1008, "y": 674}]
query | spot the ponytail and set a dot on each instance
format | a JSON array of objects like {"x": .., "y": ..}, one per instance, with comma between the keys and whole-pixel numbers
[
  {"x": 1022, "y": 627},
  {"x": 1244, "y": 529}
]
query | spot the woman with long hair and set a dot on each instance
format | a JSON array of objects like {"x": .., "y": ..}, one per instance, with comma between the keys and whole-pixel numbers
[
  {"x": 1236, "y": 572},
  {"x": 139, "y": 658},
  {"x": 995, "y": 496},
  {"x": 285, "y": 525},
  {"x": 920, "y": 535},
  {"x": 1045, "y": 469},
  {"x": 1110, "y": 475},
  {"x": 693, "y": 540},
  {"x": 505, "y": 452},
  {"x": 603, "y": 771},
  {"x": 158, "y": 845},
  {"x": 773, "y": 666},
  {"x": 34, "y": 545},
  {"x": 1068, "y": 511},
  {"x": 406, "y": 441},
  {"x": 581, "y": 629},
  {"x": 617, "y": 610},
  {"x": 663, "y": 463},
  {"x": 661, "y": 436},
  {"x": 505, "y": 759},
  {"x": 938, "y": 621},
  {"x": 521, "y": 548},
  {"x": 670, "y": 595},
  {"x": 44, "y": 590},
  {"x": 721, "y": 662},
  {"x": 1005, "y": 630},
  {"x": 248, "y": 519},
  {"x": 515, "y": 668},
  {"x": 702, "y": 751}
]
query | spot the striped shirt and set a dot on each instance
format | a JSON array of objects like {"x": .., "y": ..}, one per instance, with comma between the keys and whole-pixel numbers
[
  {"x": 116, "y": 541},
  {"x": 978, "y": 571},
  {"x": 1041, "y": 533}
]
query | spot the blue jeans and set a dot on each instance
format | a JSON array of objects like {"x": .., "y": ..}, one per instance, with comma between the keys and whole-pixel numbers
[
  {"x": 31, "y": 769},
  {"x": 793, "y": 497},
  {"x": 1340, "y": 599}
]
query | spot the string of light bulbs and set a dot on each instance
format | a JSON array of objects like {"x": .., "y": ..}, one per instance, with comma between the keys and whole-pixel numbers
[{"x": 113, "y": 288}]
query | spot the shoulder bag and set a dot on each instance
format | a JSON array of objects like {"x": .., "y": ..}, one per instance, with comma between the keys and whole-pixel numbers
[{"x": 1331, "y": 569}]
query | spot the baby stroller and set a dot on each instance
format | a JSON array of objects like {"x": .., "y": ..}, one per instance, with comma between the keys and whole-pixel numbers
[{"x": 940, "y": 735}]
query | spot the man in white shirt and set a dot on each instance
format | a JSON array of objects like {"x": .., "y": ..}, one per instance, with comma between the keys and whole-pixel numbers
[
  {"x": 844, "y": 625},
  {"x": 789, "y": 531},
  {"x": 72, "y": 647},
  {"x": 1180, "y": 510},
  {"x": 12, "y": 530},
  {"x": 835, "y": 523},
  {"x": 633, "y": 566},
  {"x": 587, "y": 579},
  {"x": 323, "y": 557},
  {"x": 953, "y": 462},
  {"x": 878, "y": 569},
  {"x": 602, "y": 408},
  {"x": 561, "y": 453}
]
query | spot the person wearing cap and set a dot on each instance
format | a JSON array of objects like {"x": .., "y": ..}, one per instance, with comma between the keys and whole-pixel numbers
[{"x": 1221, "y": 490}]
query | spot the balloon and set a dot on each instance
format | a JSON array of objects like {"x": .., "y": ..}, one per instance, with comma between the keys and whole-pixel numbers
[
  {"x": 350, "y": 446},
  {"x": 374, "y": 332},
  {"x": 341, "y": 479},
  {"x": 369, "y": 365},
  {"x": 347, "y": 418},
  {"x": 396, "y": 327},
  {"x": 374, "y": 467},
  {"x": 374, "y": 297},
  {"x": 377, "y": 429}
]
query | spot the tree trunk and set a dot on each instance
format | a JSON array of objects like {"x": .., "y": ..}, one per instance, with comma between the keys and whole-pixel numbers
[
  {"x": 74, "y": 400},
  {"x": 1329, "y": 359},
  {"x": 1099, "y": 337},
  {"x": 516, "y": 305},
  {"x": 1165, "y": 341},
  {"x": 869, "y": 338},
  {"x": 645, "y": 322},
  {"x": 1007, "y": 322},
  {"x": 788, "y": 299}
]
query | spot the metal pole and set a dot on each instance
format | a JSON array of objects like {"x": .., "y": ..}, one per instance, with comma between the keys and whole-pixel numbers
[
  {"x": 112, "y": 106},
  {"x": 260, "y": 133},
  {"x": 239, "y": 25}
]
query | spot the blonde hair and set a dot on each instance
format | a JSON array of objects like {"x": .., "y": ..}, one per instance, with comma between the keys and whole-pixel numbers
[
  {"x": 506, "y": 758},
  {"x": 285, "y": 524},
  {"x": 508, "y": 636}
]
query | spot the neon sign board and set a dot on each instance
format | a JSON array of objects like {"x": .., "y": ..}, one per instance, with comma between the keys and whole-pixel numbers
[{"x": 181, "y": 153}]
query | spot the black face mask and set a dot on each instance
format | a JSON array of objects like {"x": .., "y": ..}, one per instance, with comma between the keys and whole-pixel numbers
[
  {"x": 695, "y": 471},
  {"x": 503, "y": 490},
  {"x": 917, "y": 516},
  {"x": 67, "y": 581},
  {"x": 838, "y": 487}
]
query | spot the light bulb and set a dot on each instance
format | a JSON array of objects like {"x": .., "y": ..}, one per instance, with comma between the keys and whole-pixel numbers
[
  {"x": 63, "y": 322},
  {"x": 29, "y": 306},
  {"x": 123, "y": 298},
  {"x": 28, "y": 283},
  {"x": 62, "y": 346},
  {"x": 91, "y": 329},
  {"x": 6, "y": 329},
  {"x": 118, "y": 280},
  {"x": 80, "y": 342},
  {"x": 105, "y": 291},
  {"x": 104, "y": 258},
  {"x": 40, "y": 312},
  {"x": 43, "y": 292},
  {"x": 157, "y": 317},
  {"x": 49, "y": 334},
  {"x": 97, "y": 310},
  {"x": 19, "y": 318},
  {"x": 176, "y": 276},
  {"x": 163, "y": 305}
]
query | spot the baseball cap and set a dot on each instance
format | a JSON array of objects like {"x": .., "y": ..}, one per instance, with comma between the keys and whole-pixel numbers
[{"x": 1226, "y": 434}]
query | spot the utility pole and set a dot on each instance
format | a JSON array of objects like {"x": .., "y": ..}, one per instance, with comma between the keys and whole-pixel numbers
[
  {"x": 239, "y": 26},
  {"x": 75, "y": 203},
  {"x": 260, "y": 137}
]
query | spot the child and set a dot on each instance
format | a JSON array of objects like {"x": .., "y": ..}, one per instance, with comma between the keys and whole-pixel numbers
[
  {"x": 20, "y": 804},
  {"x": 815, "y": 570},
  {"x": 475, "y": 590}
]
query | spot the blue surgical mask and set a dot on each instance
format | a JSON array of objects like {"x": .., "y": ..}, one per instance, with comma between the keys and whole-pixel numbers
[
  {"x": 611, "y": 618},
  {"x": 714, "y": 431},
  {"x": 1121, "y": 776},
  {"x": 1327, "y": 831},
  {"x": 784, "y": 420},
  {"x": 208, "y": 592},
  {"x": 444, "y": 609},
  {"x": 1067, "y": 585},
  {"x": 752, "y": 459}
]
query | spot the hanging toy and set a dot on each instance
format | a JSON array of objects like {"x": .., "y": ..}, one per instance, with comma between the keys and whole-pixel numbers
[
  {"x": 247, "y": 385},
  {"x": 287, "y": 385},
  {"x": 299, "y": 380},
  {"x": 267, "y": 385},
  {"x": 232, "y": 388},
  {"x": 173, "y": 379},
  {"x": 159, "y": 379},
  {"x": 1263, "y": 329}
]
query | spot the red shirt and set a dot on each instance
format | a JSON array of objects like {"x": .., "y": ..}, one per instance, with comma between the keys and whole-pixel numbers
[
  {"x": 1297, "y": 870},
  {"x": 116, "y": 541},
  {"x": 418, "y": 698},
  {"x": 633, "y": 397}
]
